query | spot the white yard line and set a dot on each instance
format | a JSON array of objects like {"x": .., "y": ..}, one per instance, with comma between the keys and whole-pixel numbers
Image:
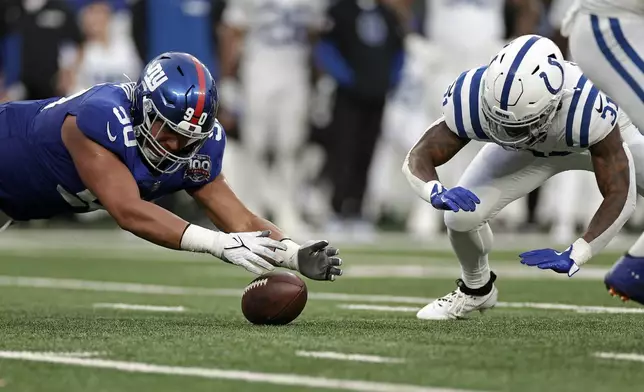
[
  {"x": 76, "y": 354},
  {"x": 379, "y": 308},
  {"x": 574, "y": 308},
  {"x": 348, "y": 357},
  {"x": 74, "y": 284},
  {"x": 221, "y": 374},
  {"x": 145, "y": 308},
  {"x": 91, "y": 285},
  {"x": 520, "y": 305},
  {"x": 429, "y": 270},
  {"x": 621, "y": 356}
]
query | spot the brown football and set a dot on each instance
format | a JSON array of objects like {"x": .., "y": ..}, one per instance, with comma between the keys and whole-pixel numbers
[{"x": 275, "y": 298}]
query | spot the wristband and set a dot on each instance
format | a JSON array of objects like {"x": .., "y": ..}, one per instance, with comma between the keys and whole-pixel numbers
[{"x": 199, "y": 239}]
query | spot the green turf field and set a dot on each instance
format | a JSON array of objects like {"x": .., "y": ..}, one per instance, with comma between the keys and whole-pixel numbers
[{"x": 57, "y": 335}]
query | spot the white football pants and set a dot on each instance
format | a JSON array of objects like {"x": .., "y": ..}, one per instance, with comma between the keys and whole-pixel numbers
[
  {"x": 275, "y": 119},
  {"x": 498, "y": 177}
]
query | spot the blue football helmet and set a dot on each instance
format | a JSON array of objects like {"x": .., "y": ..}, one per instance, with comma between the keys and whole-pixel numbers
[{"x": 177, "y": 90}]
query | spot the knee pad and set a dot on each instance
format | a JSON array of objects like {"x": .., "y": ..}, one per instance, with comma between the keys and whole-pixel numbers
[{"x": 464, "y": 221}]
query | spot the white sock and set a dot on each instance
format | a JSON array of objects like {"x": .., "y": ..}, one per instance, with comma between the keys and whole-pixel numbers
[
  {"x": 472, "y": 248},
  {"x": 637, "y": 250}
]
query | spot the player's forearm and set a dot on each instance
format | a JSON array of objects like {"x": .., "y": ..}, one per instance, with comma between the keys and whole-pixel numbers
[
  {"x": 152, "y": 223},
  {"x": 420, "y": 164},
  {"x": 261, "y": 224},
  {"x": 419, "y": 171},
  {"x": 616, "y": 182},
  {"x": 256, "y": 223},
  {"x": 437, "y": 146}
]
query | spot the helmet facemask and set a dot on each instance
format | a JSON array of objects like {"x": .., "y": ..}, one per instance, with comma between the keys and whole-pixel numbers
[
  {"x": 157, "y": 156},
  {"x": 517, "y": 134}
]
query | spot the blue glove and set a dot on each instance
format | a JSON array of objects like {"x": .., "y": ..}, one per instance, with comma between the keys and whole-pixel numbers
[
  {"x": 559, "y": 262},
  {"x": 453, "y": 199}
]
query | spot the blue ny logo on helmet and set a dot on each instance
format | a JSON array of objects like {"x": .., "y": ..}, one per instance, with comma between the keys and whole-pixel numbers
[{"x": 175, "y": 93}]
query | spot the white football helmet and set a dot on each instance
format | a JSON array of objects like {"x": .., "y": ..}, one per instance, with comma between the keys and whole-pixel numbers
[{"x": 522, "y": 90}]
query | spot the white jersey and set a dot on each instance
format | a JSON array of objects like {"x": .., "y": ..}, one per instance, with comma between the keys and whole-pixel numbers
[
  {"x": 277, "y": 31},
  {"x": 107, "y": 63},
  {"x": 612, "y": 7},
  {"x": 584, "y": 117},
  {"x": 465, "y": 23}
]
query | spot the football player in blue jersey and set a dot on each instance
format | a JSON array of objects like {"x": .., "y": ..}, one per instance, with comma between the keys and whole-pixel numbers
[{"x": 120, "y": 146}]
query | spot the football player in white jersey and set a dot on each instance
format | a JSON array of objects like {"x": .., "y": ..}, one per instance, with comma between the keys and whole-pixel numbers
[
  {"x": 541, "y": 116},
  {"x": 271, "y": 41},
  {"x": 107, "y": 57},
  {"x": 468, "y": 33},
  {"x": 607, "y": 41}
]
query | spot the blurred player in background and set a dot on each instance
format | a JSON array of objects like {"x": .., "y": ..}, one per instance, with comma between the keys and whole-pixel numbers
[
  {"x": 120, "y": 146},
  {"x": 539, "y": 115},
  {"x": 49, "y": 46},
  {"x": 407, "y": 112},
  {"x": 607, "y": 41},
  {"x": 107, "y": 56},
  {"x": 269, "y": 41},
  {"x": 362, "y": 49}
]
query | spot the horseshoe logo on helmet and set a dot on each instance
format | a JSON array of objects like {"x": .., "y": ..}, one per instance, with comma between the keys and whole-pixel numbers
[{"x": 544, "y": 76}]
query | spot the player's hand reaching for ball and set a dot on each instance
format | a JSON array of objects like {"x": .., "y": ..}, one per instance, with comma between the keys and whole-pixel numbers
[
  {"x": 319, "y": 261},
  {"x": 254, "y": 251}
]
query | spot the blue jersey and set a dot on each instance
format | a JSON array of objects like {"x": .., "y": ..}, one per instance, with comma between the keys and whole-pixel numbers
[{"x": 38, "y": 178}]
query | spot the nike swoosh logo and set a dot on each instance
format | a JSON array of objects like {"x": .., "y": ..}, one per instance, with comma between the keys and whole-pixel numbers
[
  {"x": 109, "y": 134},
  {"x": 601, "y": 105}
]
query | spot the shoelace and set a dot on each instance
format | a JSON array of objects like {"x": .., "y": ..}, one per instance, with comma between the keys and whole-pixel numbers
[
  {"x": 455, "y": 301},
  {"x": 458, "y": 303},
  {"x": 448, "y": 298}
]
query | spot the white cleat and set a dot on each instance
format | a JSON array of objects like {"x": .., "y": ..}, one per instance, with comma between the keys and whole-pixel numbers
[{"x": 457, "y": 304}]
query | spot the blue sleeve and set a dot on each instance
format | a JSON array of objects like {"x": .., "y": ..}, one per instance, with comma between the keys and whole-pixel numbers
[
  {"x": 330, "y": 60},
  {"x": 106, "y": 121},
  {"x": 397, "y": 68},
  {"x": 206, "y": 165}
]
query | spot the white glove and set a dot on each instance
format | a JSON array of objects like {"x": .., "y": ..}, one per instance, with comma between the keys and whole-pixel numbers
[
  {"x": 245, "y": 249},
  {"x": 254, "y": 251}
]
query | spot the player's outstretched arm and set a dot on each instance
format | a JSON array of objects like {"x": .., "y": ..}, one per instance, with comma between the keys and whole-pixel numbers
[
  {"x": 314, "y": 259},
  {"x": 114, "y": 186},
  {"x": 437, "y": 146},
  {"x": 615, "y": 173}
]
